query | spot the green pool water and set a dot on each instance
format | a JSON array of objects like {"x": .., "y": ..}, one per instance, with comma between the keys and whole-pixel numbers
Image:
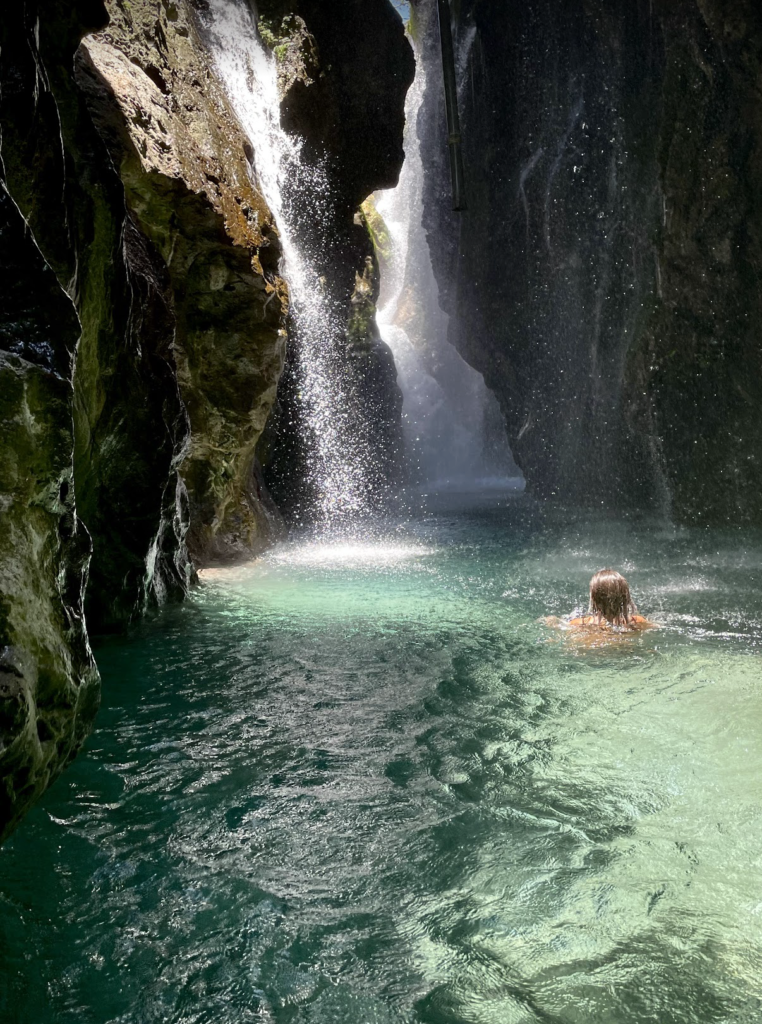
[{"x": 359, "y": 783}]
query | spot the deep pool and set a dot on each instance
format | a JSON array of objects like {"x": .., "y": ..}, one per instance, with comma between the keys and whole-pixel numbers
[{"x": 359, "y": 783}]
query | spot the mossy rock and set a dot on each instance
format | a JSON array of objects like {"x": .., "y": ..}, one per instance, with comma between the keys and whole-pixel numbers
[{"x": 379, "y": 232}]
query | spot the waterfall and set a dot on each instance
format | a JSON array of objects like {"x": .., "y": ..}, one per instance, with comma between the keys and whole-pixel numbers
[
  {"x": 448, "y": 411},
  {"x": 340, "y": 462},
  {"x": 453, "y": 426}
]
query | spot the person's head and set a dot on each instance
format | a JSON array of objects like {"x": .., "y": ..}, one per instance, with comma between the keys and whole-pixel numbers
[{"x": 610, "y": 597}]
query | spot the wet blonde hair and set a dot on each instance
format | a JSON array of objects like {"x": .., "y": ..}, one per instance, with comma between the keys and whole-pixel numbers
[{"x": 610, "y": 598}]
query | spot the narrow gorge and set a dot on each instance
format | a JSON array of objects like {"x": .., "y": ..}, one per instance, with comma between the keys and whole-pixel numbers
[
  {"x": 129, "y": 177},
  {"x": 298, "y": 462}
]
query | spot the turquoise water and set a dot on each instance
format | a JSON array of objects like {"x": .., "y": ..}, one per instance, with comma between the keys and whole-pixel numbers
[{"x": 361, "y": 784}]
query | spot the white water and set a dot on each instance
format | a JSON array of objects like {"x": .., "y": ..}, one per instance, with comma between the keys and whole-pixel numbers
[
  {"x": 340, "y": 460},
  {"x": 452, "y": 424}
]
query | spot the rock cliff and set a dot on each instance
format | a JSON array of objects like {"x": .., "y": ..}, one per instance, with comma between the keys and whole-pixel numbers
[
  {"x": 143, "y": 336},
  {"x": 49, "y": 686},
  {"x": 604, "y": 278},
  {"x": 182, "y": 158}
]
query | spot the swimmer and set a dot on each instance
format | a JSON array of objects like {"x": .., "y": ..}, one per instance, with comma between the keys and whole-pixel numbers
[{"x": 611, "y": 605}]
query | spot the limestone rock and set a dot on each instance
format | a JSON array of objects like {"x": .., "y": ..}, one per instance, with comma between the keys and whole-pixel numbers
[
  {"x": 49, "y": 686},
  {"x": 125, "y": 388},
  {"x": 184, "y": 162}
]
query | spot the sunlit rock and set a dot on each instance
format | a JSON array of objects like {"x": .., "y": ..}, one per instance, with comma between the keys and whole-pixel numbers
[{"x": 185, "y": 164}]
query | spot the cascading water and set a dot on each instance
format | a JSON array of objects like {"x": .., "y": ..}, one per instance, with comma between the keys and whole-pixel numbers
[
  {"x": 453, "y": 428},
  {"x": 341, "y": 460}
]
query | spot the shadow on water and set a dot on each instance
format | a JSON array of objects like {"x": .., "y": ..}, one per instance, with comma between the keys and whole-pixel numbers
[{"x": 360, "y": 782}]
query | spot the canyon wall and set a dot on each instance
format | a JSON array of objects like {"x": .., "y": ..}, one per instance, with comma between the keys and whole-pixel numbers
[
  {"x": 605, "y": 276},
  {"x": 156, "y": 103},
  {"x": 143, "y": 325},
  {"x": 49, "y": 685}
]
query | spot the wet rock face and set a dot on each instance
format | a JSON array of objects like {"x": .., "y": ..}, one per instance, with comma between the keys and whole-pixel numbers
[
  {"x": 701, "y": 351},
  {"x": 141, "y": 340},
  {"x": 49, "y": 686},
  {"x": 603, "y": 277},
  {"x": 60, "y": 174},
  {"x": 350, "y": 103}
]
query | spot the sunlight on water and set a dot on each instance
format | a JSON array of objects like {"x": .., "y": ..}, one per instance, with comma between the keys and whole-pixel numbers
[
  {"x": 362, "y": 782},
  {"x": 327, "y": 554},
  {"x": 349, "y": 554}
]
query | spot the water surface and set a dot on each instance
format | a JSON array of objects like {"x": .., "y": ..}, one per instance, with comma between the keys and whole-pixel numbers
[{"x": 359, "y": 783}]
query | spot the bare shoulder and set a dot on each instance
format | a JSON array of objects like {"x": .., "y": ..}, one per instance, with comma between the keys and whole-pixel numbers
[
  {"x": 558, "y": 623},
  {"x": 590, "y": 622},
  {"x": 639, "y": 622}
]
